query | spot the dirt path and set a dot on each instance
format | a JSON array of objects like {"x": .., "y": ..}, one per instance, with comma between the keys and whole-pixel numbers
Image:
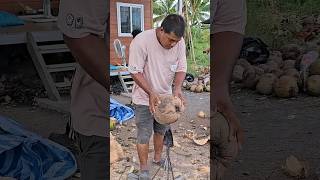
[{"x": 189, "y": 160}]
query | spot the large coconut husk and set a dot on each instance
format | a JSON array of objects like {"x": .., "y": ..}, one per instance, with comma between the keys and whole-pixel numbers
[
  {"x": 259, "y": 71},
  {"x": 237, "y": 73},
  {"x": 296, "y": 168},
  {"x": 250, "y": 78},
  {"x": 265, "y": 83},
  {"x": 199, "y": 88},
  {"x": 243, "y": 62},
  {"x": 291, "y": 51},
  {"x": 313, "y": 85},
  {"x": 264, "y": 67},
  {"x": 289, "y": 64},
  {"x": 286, "y": 86},
  {"x": 169, "y": 110},
  {"x": 272, "y": 65},
  {"x": 193, "y": 88},
  {"x": 277, "y": 72},
  {"x": 314, "y": 68},
  {"x": 292, "y": 72},
  {"x": 277, "y": 60}
]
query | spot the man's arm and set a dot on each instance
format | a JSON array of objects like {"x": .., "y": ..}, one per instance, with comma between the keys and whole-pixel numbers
[
  {"x": 226, "y": 47},
  {"x": 179, "y": 78},
  {"x": 92, "y": 54}
]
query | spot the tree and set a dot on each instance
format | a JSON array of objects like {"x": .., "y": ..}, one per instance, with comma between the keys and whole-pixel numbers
[{"x": 162, "y": 8}]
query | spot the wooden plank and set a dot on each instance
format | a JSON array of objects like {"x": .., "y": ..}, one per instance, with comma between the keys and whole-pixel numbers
[
  {"x": 129, "y": 82},
  {"x": 63, "y": 84},
  {"x": 55, "y": 48},
  {"x": 41, "y": 68},
  {"x": 126, "y": 77},
  {"x": 61, "y": 67}
]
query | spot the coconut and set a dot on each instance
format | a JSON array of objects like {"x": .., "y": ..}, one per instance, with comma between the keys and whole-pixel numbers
[
  {"x": 249, "y": 78},
  {"x": 292, "y": 72},
  {"x": 265, "y": 83},
  {"x": 237, "y": 73},
  {"x": 201, "y": 114},
  {"x": 289, "y": 64},
  {"x": 277, "y": 72},
  {"x": 263, "y": 66},
  {"x": 277, "y": 60},
  {"x": 272, "y": 65},
  {"x": 291, "y": 51},
  {"x": 199, "y": 88},
  {"x": 313, "y": 85},
  {"x": 207, "y": 88},
  {"x": 193, "y": 87},
  {"x": 188, "y": 86},
  {"x": 169, "y": 110},
  {"x": 286, "y": 86},
  {"x": 243, "y": 62},
  {"x": 314, "y": 68},
  {"x": 259, "y": 71}
]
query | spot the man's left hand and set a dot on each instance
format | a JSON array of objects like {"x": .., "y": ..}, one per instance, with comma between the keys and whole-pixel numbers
[{"x": 178, "y": 93}]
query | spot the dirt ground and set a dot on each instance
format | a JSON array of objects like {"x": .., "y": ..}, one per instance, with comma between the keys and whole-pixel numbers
[{"x": 275, "y": 128}]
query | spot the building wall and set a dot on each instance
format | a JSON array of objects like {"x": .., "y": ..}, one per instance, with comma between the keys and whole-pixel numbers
[{"x": 114, "y": 26}]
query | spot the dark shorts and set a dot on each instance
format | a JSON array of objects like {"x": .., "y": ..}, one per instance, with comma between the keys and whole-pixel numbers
[
  {"x": 93, "y": 157},
  {"x": 145, "y": 124}
]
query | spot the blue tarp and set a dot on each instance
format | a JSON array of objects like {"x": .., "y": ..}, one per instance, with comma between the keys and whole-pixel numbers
[
  {"x": 26, "y": 156},
  {"x": 119, "y": 111},
  {"x": 112, "y": 67},
  {"x": 7, "y": 19}
]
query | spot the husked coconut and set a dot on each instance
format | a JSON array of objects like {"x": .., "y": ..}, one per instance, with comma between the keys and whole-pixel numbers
[
  {"x": 199, "y": 88},
  {"x": 286, "y": 86},
  {"x": 237, "y": 73},
  {"x": 207, "y": 88},
  {"x": 265, "y": 83},
  {"x": 193, "y": 88},
  {"x": 292, "y": 72},
  {"x": 249, "y": 78},
  {"x": 243, "y": 62},
  {"x": 169, "y": 110},
  {"x": 291, "y": 51},
  {"x": 272, "y": 65},
  {"x": 314, "y": 68},
  {"x": 259, "y": 71},
  {"x": 289, "y": 64},
  {"x": 277, "y": 72},
  {"x": 264, "y": 67},
  {"x": 313, "y": 85}
]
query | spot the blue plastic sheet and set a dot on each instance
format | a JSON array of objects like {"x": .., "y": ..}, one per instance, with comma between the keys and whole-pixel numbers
[
  {"x": 120, "y": 112},
  {"x": 27, "y": 156},
  {"x": 7, "y": 19}
]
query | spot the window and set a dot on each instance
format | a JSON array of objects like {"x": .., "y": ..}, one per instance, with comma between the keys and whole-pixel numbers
[{"x": 129, "y": 18}]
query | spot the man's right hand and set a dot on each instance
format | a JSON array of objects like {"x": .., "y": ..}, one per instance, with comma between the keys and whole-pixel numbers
[{"x": 153, "y": 101}]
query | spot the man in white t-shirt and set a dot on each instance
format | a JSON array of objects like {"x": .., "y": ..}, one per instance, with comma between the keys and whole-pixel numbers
[{"x": 157, "y": 60}]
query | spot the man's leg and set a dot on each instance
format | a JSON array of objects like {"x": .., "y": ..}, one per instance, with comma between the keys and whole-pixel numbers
[
  {"x": 159, "y": 131},
  {"x": 93, "y": 157},
  {"x": 144, "y": 122}
]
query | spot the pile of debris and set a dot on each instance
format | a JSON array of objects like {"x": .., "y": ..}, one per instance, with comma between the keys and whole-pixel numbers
[
  {"x": 285, "y": 73},
  {"x": 17, "y": 89},
  {"x": 200, "y": 83}
]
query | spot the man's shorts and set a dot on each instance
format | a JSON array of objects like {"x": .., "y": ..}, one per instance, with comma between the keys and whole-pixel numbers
[
  {"x": 79, "y": 18},
  {"x": 94, "y": 156},
  {"x": 146, "y": 123}
]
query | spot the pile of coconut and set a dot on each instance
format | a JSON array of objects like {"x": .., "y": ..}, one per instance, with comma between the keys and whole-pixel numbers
[
  {"x": 200, "y": 83},
  {"x": 283, "y": 74}
]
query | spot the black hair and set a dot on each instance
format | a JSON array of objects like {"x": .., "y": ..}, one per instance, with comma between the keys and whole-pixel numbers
[
  {"x": 174, "y": 23},
  {"x": 135, "y": 32}
]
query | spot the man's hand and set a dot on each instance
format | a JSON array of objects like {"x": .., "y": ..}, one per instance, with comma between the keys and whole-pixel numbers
[
  {"x": 222, "y": 103},
  {"x": 178, "y": 93},
  {"x": 153, "y": 101}
]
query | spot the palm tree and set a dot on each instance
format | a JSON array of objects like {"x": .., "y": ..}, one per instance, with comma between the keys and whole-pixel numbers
[
  {"x": 198, "y": 11},
  {"x": 162, "y": 8}
]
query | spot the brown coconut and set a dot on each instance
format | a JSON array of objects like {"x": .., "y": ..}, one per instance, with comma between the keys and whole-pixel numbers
[
  {"x": 243, "y": 62},
  {"x": 169, "y": 110},
  {"x": 291, "y": 51},
  {"x": 314, "y": 68},
  {"x": 193, "y": 87},
  {"x": 313, "y": 85},
  {"x": 289, "y": 64},
  {"x": 249, "y": 78},
  {"x": 207, "y": 88},
  {"x": 264, "y": 67},
  {"x": 237, "y": 73},
  {"x": 259, "y": 71},
  {"x": 294, "y": 73},
  {"x": 265, "y": 83},
  {"x": 276, "y": 59},
  {"x": 286, "y": 86},
  {"x": 277, "y": 72},
  {"x": 199, "y": 88}
]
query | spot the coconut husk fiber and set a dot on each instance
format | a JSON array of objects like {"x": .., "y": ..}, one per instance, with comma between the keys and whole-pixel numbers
[
  {"x": 224, "y": 151},
  {"x": 169, "y": 110}
]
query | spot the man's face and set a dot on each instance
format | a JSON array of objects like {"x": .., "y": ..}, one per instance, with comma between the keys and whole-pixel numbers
[{"x": 168, "y": 40}]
